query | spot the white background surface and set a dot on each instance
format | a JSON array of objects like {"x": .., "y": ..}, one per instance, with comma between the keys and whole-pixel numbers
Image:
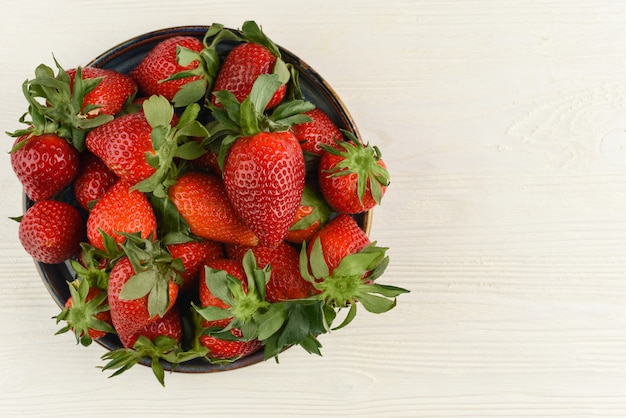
[{"x": 503, "y": 125}]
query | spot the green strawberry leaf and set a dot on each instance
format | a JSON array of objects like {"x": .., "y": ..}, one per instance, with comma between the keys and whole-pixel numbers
[
  {"x": 158, "y": 111},
  {"x": 139, "y": 285},
  {"x": 263, "y": 90},
  {"x": 252, "y": 32},
  {"x": 190, "y": 92},
  {"x": 220, "y": 284}
]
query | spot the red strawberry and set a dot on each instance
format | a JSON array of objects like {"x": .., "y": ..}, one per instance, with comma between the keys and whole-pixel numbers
[
  {"x": 169, "y": 326},
  {"x": 312, "y": 214},
  {"x": 130, "y": 315},
  {"x": 320, "y": 130},
  {"x": 120, "y": 210},
  {"x": 242, "y": 66},
  {"x": 264, "y": 179},
  {"x": 285, "y": 281},
  {"x": 208, "y": 162},
  {"x": 340, "y": 237},
  {"x": 94, "y": 178},
  {"x": 142, "y": 147},
  {"x": 111, "y": 94},
  {"x": 56, "y": 106},
  {"x": 353, "y": 178},
  {"x": 86, "y": 312},
  {"x": 223, "y": 349},
  {"x": 194, "y": 255},
  {"x": 201, "y": 200},
  {"x": 343, "y": 266},
  {"x": 44, "y": 164},
  {"x": 51, "y": 231},
  {"x": 161, "y": 62},
  {"x": 122, "y": 145},
  {"x": 207, "y": 298}
]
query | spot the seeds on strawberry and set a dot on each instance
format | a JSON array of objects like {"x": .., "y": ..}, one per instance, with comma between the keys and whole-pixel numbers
[
  {"x": 131, "y": 315},
  {"x": 120, "y": 210},
  {"x": 51, "y": 231},
  {"x": 340, "y": 237},
  {"x": 122, "y": 145},
  {"x": 44, "y": 164},
  {"x": 161, "y": 62},
  {"x": 264, "y": 178},
  {"x": 110, "y": 95},
  {"x": 352, "y": 177},
  {"x": 311, "y": 216},
  {"x": 94, "y": 178},
  {"x": 320, "y": 130},
  {"x": 222, "y": 349},
  {"x": 194, "y": 255},
  {"x": 243, "y": 65},
  {"x": 285, "y": 282},
  {"x": 201, "y": 200}
]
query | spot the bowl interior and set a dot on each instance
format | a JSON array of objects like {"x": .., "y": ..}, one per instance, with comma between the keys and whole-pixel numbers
[{"x": 123, "y": 58}]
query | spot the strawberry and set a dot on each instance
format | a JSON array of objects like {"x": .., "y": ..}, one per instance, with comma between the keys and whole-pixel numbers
[
  {"x": 141, "y": 147},
  {"x": 232, "y": 267},
  {"x": 56, "y": 106},
  {"x": 312, "y": 214},
  {"x": 45, "y": 164},
  {"x": 343, "y": 265},
  {"x": 263, "y": 164},
  {"x": 201, "y": 200},
  {"x": 352, "y": 178},
  {"x": 264, "y": 179},
  {"x": 110, "y": 95},
  {"x": 159, "y": 340},
  {"x": 194, "y": 255},
  {"x": 86, "y": 312},
  {"x": 285, "y": 282},
  {"x": 182, "y": 68},
  {"x": 93, "y": 179},
  {"x": 140, "y": 291},
  {"x": 160, "y": 63},
  {"x": 120, "y": 210},
  {"x": 232, "y": 293},
  {"x": 51, "y": 231},
  {"x": 340, "y": 237},
  {"x": 169, "y": 325},
  {"x": 320, "y": 130},
  {"x": 122, "y": 145},
  {"x": 229, "y": 349},
  {"x": 247, "y": 61},
  {"x": 241, "y": 68}
]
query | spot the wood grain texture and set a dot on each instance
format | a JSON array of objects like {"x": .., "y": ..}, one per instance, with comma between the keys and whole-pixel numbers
[{"x": 504, "y": 127}]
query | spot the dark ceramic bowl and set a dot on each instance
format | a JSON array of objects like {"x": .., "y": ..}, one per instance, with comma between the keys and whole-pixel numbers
[{"x": 123, "y": 58}]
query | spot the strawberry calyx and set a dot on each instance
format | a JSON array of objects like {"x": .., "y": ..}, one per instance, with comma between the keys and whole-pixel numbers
[
  {"x": 276, "y": 325},
  {"x": 154, "y": 268},
  {"x": 160, "y": 348},
  {"x": 362, "y": 160},
  {"x": 234, "y": 119},
  {"x": 81, "y": 313},
  {"x": 170, "y": 142},
  {"x": 93, "y": 264},
  {"x": 245, "y": 305},
  {"x": 352, "y": 281},
  {"x": 62, "y": 110}
]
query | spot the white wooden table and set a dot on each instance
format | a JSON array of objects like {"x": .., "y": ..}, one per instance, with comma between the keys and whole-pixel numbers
[{"x": 504, "y": 127}]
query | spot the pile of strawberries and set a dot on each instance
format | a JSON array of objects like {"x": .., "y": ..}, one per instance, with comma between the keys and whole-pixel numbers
[{"x": 207, "y": 208}]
